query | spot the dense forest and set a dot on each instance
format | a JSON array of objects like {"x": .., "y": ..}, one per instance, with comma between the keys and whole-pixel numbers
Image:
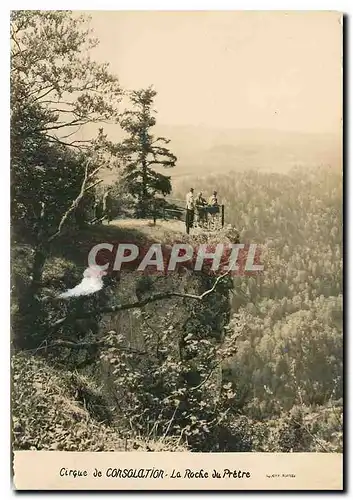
[
  {"x": 184, "y": 361},
  {"x": 289, "y": 355}
]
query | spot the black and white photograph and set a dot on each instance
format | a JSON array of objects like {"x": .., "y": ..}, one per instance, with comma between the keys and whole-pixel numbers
[{"x": 176, "y": 248}]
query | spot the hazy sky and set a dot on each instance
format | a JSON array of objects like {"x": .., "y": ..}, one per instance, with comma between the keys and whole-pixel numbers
[{"x": 230, "y": 69}]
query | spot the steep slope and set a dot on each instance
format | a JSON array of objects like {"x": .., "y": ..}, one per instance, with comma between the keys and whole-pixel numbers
[{"x": 54, "y": 409}]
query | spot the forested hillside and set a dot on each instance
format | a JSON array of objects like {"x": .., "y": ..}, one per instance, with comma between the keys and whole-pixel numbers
[{"x": 290, "y": 351}]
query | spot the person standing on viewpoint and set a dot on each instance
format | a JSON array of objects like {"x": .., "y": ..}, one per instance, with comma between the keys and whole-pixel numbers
[
  {"x": 213, "y": 200},
  {"x": 201, "y": 215},
  {"x": 190, "y": 208}
]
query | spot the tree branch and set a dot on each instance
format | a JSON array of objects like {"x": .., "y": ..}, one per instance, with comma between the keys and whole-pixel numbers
[
  {"x": 140, "y": 303},
  {"x": 80, "y": 345},
  {"x": 74, "y": 204},
  {"x": 50, "y": 89},
  {"x": 72, "y": 133},
  {"x": 74, "y": 144},
  {"x": 93, "y": 185},
  {"x": 73, "y": 123}
]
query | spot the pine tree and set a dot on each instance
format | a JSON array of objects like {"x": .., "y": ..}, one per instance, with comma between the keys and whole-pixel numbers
[{"x": 140, "y": 151}]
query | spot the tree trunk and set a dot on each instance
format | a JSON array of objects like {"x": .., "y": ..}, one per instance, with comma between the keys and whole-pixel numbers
[
  {"x": 144, "y": 175},
  {"x": 144, "y": 189},
  {"x": 40, "y": 256},
  {"x": 26, "y": 324}
]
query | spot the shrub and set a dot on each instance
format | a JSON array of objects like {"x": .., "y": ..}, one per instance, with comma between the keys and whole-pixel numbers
[{"x": 57, "y": 410}]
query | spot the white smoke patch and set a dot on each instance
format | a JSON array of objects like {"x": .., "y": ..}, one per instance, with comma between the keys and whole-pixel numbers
[{"x": 92, "y": 282}]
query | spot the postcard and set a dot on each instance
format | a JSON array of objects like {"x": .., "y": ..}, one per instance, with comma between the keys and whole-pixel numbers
[{"x": 177, "y": 250}]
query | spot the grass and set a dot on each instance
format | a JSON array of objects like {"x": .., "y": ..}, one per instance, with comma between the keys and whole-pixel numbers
[{"x": 49, "y": 413}]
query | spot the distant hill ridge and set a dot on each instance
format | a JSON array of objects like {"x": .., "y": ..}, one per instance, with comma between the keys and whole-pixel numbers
[{"x": 201, "y": 150}]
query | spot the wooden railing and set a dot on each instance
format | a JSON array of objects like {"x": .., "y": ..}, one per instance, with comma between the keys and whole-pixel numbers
[{"x": 165, "y": 213}]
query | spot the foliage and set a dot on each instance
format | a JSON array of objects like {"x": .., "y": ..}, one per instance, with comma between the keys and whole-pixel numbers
[
  {"x": 303, "y": 428},
  {"x": 58, "y": 410},
  {"x": 140, "y": 152},
  {"x": 186, "y": 372},
  {"x": 152, "y": 387},
  {"x": 51, "y": 68},
  {"x": 55, "y": 89},
  {"x": 290, "y": 351},
  {"x": 298, "y": 358}
]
